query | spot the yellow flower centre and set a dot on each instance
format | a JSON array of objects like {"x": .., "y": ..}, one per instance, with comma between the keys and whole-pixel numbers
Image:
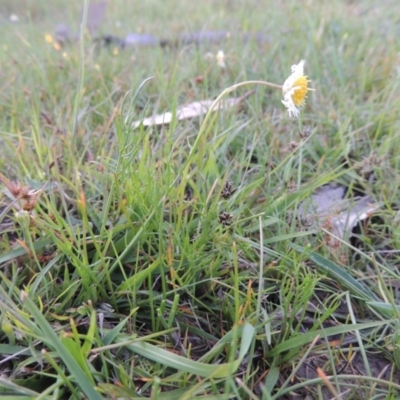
[{"x": 300, "y": 93}]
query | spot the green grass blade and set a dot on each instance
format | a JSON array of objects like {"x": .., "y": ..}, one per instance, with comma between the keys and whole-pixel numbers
[
  {"x": 52, "y": 340},
  {"x": 16, "y": 389},
  {"x": 389, "y": 309},
  {"x": 336, "y": 272},
  {"x": 182, "y": 364},
  {"x": 307, "y": 337}
]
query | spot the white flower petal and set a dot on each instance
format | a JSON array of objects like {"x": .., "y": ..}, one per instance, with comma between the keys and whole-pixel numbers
[
  {"x": 298, "y": 69},
  {"x": 292, "y": 109},
  {"x": 221, "y": 59},
  {"x": 288, "y": 88}
]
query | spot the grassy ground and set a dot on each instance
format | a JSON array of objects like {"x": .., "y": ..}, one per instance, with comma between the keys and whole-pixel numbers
[{"x": 157, "y": 263}]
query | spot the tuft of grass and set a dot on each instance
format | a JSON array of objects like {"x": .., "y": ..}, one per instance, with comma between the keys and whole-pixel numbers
[{"x": 170, "y": 262}]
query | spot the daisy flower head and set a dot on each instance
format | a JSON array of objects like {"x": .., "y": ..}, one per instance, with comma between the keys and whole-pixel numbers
[{"x": 295, "y": 89}]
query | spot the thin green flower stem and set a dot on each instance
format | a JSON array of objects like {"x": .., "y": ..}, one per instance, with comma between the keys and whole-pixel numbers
[
  {"x": 214, "y": 104},
  {"x": 208, "y": 116}
]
